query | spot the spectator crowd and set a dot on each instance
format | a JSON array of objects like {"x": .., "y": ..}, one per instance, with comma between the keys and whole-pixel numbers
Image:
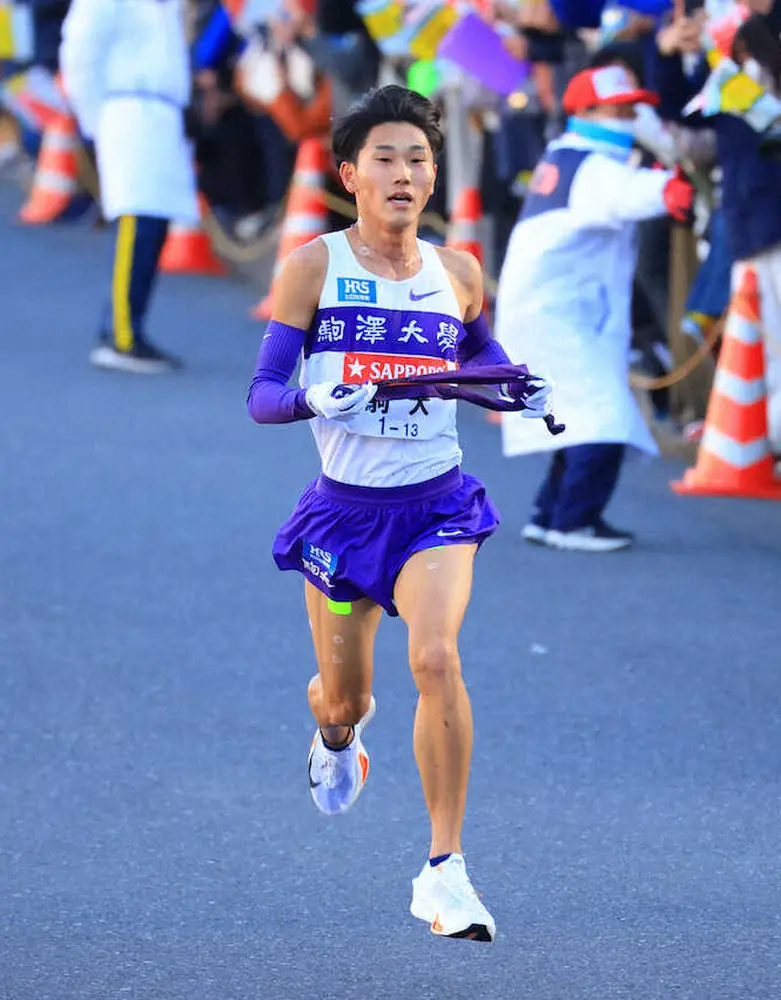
[{"x": 266, "y": 75}]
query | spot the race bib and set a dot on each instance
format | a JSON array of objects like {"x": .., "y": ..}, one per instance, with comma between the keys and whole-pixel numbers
[{"x": 407, "y": 419}]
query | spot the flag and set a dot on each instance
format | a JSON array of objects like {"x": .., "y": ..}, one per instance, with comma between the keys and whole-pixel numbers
[{"x": 728, "y": 90}]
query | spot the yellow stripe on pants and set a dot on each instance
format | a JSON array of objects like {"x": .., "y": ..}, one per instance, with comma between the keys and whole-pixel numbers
[
  {"x": 6, "y": 32},
  {"x": 120, "y": 285}
]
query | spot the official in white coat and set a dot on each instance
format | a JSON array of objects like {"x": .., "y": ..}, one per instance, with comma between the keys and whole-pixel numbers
[
  {"x": 564, "y": 299},
  {"x": 125, "y": 68}
]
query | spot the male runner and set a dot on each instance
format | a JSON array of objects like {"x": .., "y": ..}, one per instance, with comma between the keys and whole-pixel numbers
[{"x": 391, "y": 523}]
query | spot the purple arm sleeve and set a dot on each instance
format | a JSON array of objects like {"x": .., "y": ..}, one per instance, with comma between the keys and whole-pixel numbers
[
  {"x": 479, "y": 347},
  {"x": 269, "y": 400}
]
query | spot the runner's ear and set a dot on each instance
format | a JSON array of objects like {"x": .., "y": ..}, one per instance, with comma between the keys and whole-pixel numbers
[{"x": 347, "y": 176}]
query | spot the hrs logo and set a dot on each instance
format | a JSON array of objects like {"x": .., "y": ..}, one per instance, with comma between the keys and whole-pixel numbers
[{"x": 356, "y": 290}]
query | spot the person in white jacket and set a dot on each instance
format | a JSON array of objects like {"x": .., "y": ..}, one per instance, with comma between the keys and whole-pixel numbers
[
  {"x": 564, "y": 299},
  {"x": 125, "y": 69}
]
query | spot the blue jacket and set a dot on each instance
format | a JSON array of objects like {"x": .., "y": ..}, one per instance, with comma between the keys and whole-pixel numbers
[
  {"x": 574, "y": 14},
  {"x": 751, "y": 183}
]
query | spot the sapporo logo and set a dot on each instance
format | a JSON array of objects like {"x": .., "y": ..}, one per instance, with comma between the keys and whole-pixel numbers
[
  {"x": 356, "y": 289},
  {"x": 360, "y": 367}
]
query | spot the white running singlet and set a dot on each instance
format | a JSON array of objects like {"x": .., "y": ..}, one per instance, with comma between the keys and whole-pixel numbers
[{"x": 367, "y": 329}]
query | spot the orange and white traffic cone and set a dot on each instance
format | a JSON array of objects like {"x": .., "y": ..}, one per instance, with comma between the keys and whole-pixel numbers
[
  {"x": 463, "y": 232},
  {"x": 734, "y": 457},
  {"x": 55, "y": 182},
  {"x": 188, "y": 250},
  {"x": 306, "y": 216},
  {"x": 464, "y": 229}
]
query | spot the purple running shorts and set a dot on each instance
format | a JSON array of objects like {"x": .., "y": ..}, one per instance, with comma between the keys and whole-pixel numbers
[{"x": 352, "y": 541}]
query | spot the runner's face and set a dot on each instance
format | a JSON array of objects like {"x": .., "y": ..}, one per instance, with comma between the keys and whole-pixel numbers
[{"x": 393, "y": 177}]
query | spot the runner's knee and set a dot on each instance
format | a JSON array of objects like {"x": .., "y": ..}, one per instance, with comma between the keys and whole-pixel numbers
[{"x": 434, "y": 663}]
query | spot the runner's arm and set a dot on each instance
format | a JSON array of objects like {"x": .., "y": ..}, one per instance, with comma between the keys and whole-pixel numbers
[
  {"x": 296, "y": 295},
  {"x": 478, "y": 346}
]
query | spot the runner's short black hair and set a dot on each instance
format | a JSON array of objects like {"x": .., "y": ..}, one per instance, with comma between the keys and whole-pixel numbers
[{"x": 377, "y": 107}]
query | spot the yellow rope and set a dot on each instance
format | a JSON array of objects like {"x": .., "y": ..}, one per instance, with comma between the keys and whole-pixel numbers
[
  {"x": 684, "y": 369},
  {"x": 234, "y": 251}
]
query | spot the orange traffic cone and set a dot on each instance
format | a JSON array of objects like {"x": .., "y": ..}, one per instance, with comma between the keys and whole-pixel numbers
[
  {"x": 56, "y": 173},
  {"x": 188, "y": 250},
  {"x": 463, "y": 235},
  {"x": 306, "y": 216},
  {"x": 464, "y": 221},
  {"x": 463, "y": 232},
  {"x": 734, "y": 458}
]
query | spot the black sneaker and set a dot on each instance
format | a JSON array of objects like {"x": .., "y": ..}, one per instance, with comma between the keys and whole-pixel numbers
[
  {"x": 600, "y": 537},
  {"x": 141, "y": 359}
]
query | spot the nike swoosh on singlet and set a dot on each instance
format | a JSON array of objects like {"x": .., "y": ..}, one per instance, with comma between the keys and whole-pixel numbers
[{"x": 423, "y": 295}]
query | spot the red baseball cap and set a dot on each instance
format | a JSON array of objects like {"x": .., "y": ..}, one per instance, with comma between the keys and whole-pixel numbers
[{"x": 607, "y": 85}]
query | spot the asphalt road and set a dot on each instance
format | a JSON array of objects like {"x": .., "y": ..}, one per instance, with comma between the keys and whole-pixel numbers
[{"x": 157, "y": 839}]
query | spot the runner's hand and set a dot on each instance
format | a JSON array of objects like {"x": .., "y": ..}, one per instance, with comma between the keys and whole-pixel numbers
[
  {"x": 536, "y": 395},
  {"x": 336, "y": 401}
]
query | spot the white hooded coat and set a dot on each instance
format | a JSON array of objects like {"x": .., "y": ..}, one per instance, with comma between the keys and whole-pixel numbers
[
  {"x": 125, "y": 69},
  {"x": 563, "y": 306}
]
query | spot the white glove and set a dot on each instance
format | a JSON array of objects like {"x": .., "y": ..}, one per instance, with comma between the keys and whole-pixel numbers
[
  {"x": 535, "y": 394},
  {"x": 336, "y": 401},
  {"x": 540, "y": 402}
]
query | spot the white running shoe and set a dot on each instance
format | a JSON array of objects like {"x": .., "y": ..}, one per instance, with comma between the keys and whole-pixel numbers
[
  {"x": 336, "y": 777},
  {"x": 600, "y": 537},
  {"x": 445, "y": 898},
  {"x": 535, "y": 533}
]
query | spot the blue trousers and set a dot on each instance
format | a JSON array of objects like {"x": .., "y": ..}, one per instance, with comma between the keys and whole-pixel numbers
[
  {"x": 139, "y": 243},
  {"x": 578, "y": 487},
  {"x": 710, "y": 291}
]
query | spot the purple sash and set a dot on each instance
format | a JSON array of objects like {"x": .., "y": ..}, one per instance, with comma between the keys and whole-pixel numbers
[{"x": 487, "y": 382}]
